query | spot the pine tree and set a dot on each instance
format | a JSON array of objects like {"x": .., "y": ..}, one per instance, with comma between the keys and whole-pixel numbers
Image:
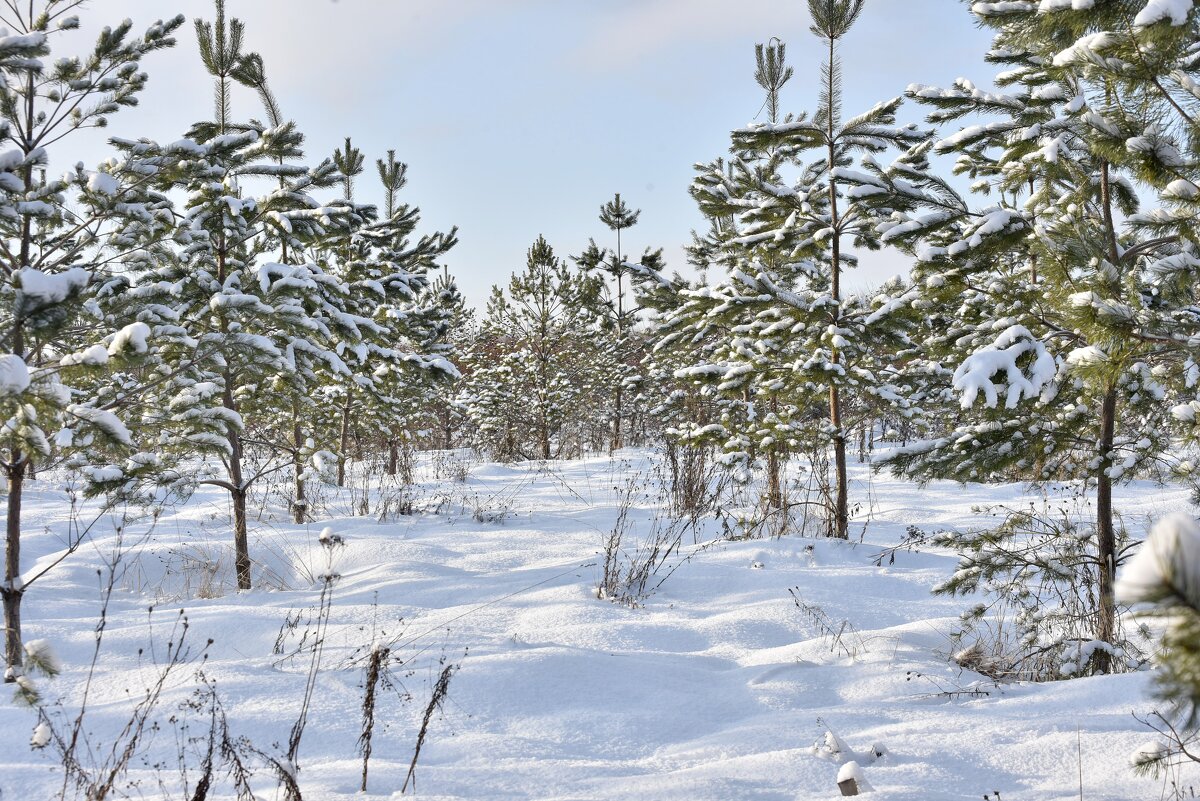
[
  {"x": 260, "y": 329},
  {"x": 617, "y": 215},
  {"x": 349, "y": 161},
  {"x": 533, "y": 368},
  {"x": 453, "y": 332},
  {"x": 402, "y": 357},
  {"x": 795, "y": 341},
  {"x": 53, "y": 232},
  {"x": 1078, "y": 320}
]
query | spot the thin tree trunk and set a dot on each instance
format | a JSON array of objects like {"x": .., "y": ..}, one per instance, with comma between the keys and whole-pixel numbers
[
  {"x": 393, "y": 461},
  {"x": 241, "y": 539},
  {"x": 774, "y": 469},
  {"x": 300, "y": 497},
  {"x": 618, "y": 399},
  {"x": 616, "y": 426},
  {"x": 841, "y": 515},
  {"x": 343, "y": 444},
  {"x": 12, "y": 592},
  {"x": 1106, "y": 541},
  {"x": 841, "y": 519},
  {"x": 774, "y": 481}
]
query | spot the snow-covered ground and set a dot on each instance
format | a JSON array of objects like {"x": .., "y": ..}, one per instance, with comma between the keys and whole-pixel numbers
[{"x": 716, "y": 687}]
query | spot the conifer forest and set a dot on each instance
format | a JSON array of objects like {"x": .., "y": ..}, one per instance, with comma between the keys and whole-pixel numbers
[{"x": 312, "y": 495}]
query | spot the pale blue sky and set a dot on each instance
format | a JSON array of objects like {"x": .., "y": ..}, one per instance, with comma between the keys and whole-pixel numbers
[{"x": 521, "y": 117}]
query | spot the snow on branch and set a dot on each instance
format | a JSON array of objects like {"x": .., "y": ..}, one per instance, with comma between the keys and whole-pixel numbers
[
  {"x": 1174, "y": 11},
  {"x": 1002, "y": 358}
]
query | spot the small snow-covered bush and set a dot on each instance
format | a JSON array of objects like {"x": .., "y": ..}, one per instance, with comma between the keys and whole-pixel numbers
[{"x": 1037, "y": 572}]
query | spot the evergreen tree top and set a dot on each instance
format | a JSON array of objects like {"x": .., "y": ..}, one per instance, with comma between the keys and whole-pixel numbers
[
  {"x": 349, "y": 161},
  {"x": 832, "y": 19},
  {"x": 617, "y": 215},
  {"x": 772, "y": 72},
  {"x": 394, "y": 176}
]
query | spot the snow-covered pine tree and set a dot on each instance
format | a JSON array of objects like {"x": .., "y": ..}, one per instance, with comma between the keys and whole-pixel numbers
[
  {"x": 286, "y": 421},
  {"x": 1070, "y": 307},
  {"x": 678, "y": 406},
  {"x": 796, "y": 341},
  {"x": 620, "y": 312},
  {"x": 261, "y": 329},
  {"x": 453, "y": 331},
  {"x": 534, "y": 373},
  {"x": 348, "y": 254},
  {"x": 53, "y": 233},
  {"x": 402, "y": 356}
]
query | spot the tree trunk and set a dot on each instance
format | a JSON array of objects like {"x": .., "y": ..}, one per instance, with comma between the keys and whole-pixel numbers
[
  {"x": 615, "y": 445},
  {"x": 12, "y": 591},
  {"x": 841, "y": 515},
  {"x": 300, "y": 497},
  {"x": 774, "y": 481},
  {"x": 343, "y": 445},
  {"x": 1106, "y": 541},
  {"x": 616, "y": 429},
  {"x": 393, "y": 461},
  {"x": 241, "y": 540}
]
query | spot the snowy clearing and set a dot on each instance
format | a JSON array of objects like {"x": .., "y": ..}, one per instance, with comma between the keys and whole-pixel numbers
[{"x": 717, "y": 687}]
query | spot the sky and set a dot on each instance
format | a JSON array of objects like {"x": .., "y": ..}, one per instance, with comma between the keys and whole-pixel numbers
[{"x": 521, "y": 117}]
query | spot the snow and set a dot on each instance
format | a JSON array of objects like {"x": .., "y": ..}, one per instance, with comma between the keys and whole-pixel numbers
[
  {"x": 93, "y": 356},
  {"x": 102, "y": 419},
  {"x": 1086, "y": 48},
  {"x": 1174, "y": 11},
  {"x": 852, "y": 770},
  {"x": 132, "y": 336},
  {"x": 103, "y": 183},
  {"x": 47, "y": 289},
  {"x": 977, "y": 372},
  {"x": 1047, "y": 6},
  {"x": 41, "y": 735},
  {"x": 715, "y": 688},
  {"x": 14, "y": 375},
  {"x": 1086, "y": 356},
  {"x": 1181, "y": 189},
  {"x": 1170, "y": 556},
  {"x": 1001, "y": 7},
  {"x": 1185, "y": 412}
]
